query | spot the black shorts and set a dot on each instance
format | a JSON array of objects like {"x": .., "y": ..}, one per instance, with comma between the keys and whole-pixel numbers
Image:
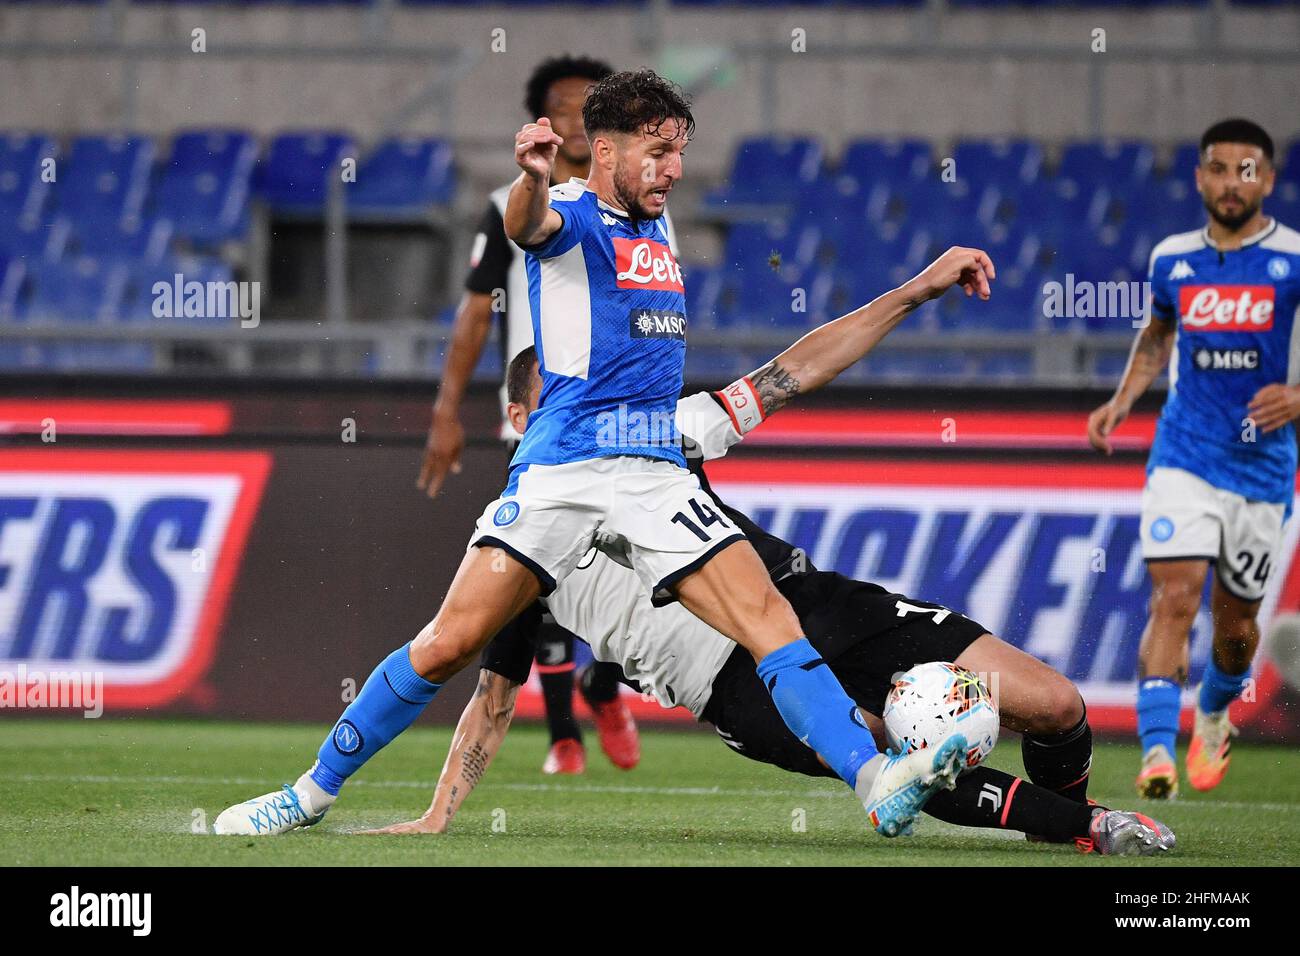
[{"x": 858, "y": 630}]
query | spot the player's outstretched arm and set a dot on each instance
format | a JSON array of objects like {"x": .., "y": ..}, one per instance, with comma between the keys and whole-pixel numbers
[
  {"x": 478, "y": 737},
  {"x": 829, "y": 349},
  {"x": 529, "y": 218},
  {"x": 446, "y": 440},
  {"x": 1150, "y": 353}
]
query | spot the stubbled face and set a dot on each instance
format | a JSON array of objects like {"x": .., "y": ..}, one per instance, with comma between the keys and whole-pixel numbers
[
  {"x": 645, "y": 166},
  {"x": 564, "y": 102},
  {"x": 1233, "y": 179},
  {"x": 518, "y": 414}
]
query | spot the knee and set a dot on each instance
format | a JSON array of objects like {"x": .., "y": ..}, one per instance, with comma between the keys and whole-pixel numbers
[
  {"x": 1175, "y": 602},
  {"x": 442, "y": 649},
  {"x": 1060, "y": 709}
]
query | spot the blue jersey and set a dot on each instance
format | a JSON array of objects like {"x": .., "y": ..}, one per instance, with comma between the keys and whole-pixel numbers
[
  {"x": 609, "y": 324},
  {"x": 1237, "y": 332}
]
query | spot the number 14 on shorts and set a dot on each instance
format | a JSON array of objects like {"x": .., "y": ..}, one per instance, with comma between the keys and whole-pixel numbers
[{"x": 705, "y": 517}]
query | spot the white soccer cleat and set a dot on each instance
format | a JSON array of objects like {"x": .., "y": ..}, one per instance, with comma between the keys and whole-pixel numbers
[
  {"x": 271, "y": 814},
  {"x": 900, "y": 785}
]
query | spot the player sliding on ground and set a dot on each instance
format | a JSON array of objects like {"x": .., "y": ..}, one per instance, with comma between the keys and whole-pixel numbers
[
  {"x": 865, "y": 634},
  {"x": 1221, "y": 475},
  {"x": 601, "y": 464}
]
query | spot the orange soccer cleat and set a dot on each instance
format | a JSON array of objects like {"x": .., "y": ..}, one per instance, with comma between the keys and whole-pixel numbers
[
  {"x": 618, "y": 734},
  {"x": 1207, "y": 758},
  {"x": 566, "y": 756},
  {"x": 1158, "y": 779}
]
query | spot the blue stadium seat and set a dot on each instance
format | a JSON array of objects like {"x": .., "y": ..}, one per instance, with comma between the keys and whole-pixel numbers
[
  {"x": 12, "y": 274},
  {"x": 204, "y": 186},
  {"x": 294, "y": 177},
  {"x": 1005, "y": 367},
  {"x": 404, "y": 176},
  {"x": 703, "y": 291},
  {"x": 868, "y": 161},
  {"x": 1119, "y": 164},
  {"x": 138, "y": 239},
  {"x": 1014, "y": 162},
  {"x": 22, "y": 188},
  {"x": 768, "y": 171},
  {"x": 98, "y": 357},
  {"x": 84, "y": 289},
  {"x": 1186, "y": 157},
  {"x": 33, "y": 238},
  {"x": 105, "y": 178}
]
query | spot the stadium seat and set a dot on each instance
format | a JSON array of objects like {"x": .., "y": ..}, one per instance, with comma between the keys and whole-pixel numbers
[
  {"x": 767, "y": 171},
  {"x": 295, "y": 176},
  {"x": 204, "y": 186},
  {"x": 12, "y": 274},
  {"x": 1185, "y": 158},
  {"x": 80, "y": 290},
  {"x": 105, "y": 178},
  {"x": 868, "y": 161},
  {"x": 1014, "y": 162},
  {"x": 1119, "y": 164},
  {"x": 145, "y": 240},
  {"x": 34, "y": 238},
  {"x": 404, "y": 177},
  {"x": 22, "y": 189}
]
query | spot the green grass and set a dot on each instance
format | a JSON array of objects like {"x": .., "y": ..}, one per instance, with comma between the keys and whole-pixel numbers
[{"x": 127, "y": 792}]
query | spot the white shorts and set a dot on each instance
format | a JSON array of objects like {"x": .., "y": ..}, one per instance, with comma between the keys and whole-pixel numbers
[
  {"x": 1184, "y": 516},
  {"x": 649, "y": 515}
]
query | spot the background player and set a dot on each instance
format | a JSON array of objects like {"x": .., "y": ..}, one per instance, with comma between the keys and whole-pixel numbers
[
  {"x": 1221, "y": 473},
  {"x": 497, "y": 283}
]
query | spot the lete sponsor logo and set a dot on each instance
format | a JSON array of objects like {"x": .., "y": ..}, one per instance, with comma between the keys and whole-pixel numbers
[
  {"x": 121, "y": 563},
  {"x": 646, "y": 264},
  {"x": 1226, "y": 308},
  {"x": 1049, "y": 560}
]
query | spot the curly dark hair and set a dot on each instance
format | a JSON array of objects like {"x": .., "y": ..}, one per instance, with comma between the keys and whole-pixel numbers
[
  {"x": 634, "y": 100},
  {"x": 557, "y": 68}
]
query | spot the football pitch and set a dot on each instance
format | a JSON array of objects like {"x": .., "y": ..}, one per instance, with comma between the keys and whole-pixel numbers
[{"x": 132, "y": 792}]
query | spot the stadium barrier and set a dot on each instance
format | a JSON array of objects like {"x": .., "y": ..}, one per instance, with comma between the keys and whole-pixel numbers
[{"x": 253, "y": 554}]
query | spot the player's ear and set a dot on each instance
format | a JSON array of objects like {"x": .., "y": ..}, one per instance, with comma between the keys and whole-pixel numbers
[{"x": 518, "y": 416}]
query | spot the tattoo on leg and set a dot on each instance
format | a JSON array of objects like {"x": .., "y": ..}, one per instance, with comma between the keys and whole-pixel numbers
[
  {"x": 775, "y": 386},
  {"x": 473, "y": 764}
]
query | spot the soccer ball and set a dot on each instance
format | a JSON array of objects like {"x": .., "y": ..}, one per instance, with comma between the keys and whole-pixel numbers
[{"x": 932, "y": 700}]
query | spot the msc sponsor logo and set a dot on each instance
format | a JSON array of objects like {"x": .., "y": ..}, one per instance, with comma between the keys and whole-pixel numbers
[
  {"x": 120, "y": 563},
  {"x": 1049, "y": 561},
  {"x": 646, "y": 264},
  {"x": 656, "y": 324},
  {"x": 1226, "y": 308},
  {"x": 1226, "y": 360}
]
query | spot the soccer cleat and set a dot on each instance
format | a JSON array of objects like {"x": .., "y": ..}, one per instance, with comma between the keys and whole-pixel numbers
[
  {"x": 618, "y": 735},
  {"x": 1124, "y": 833},
  {"x": 1158, "y": 779},
  {"x": 901, "y": 784},
  {"x": 271, "y": 814},
  {"x": 566, "y": 756},
  {"x": 1207, "y": 757}
]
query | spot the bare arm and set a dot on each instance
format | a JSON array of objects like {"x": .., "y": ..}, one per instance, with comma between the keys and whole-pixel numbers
[
  {"x": 446, "y": 440},
  {"x": 478, "y": 737},
  {"x": 1149, "y": 355},
  {"x": 829, "y": 349},
  {"x": 529, "y": 218}
]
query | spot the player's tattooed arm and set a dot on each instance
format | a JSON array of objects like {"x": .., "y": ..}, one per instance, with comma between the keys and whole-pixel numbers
[
  {"x": 774, "y": 386},
  {"x": 478, "y": 737}
]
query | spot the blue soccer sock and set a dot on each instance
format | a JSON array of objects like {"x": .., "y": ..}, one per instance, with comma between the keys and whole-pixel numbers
[
  {"x": 392, "y": 697},
  {"x": 1218, "y": 689},
  {"x": 1159, "y": 701},
  {"x": 816, "y": 709}
]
